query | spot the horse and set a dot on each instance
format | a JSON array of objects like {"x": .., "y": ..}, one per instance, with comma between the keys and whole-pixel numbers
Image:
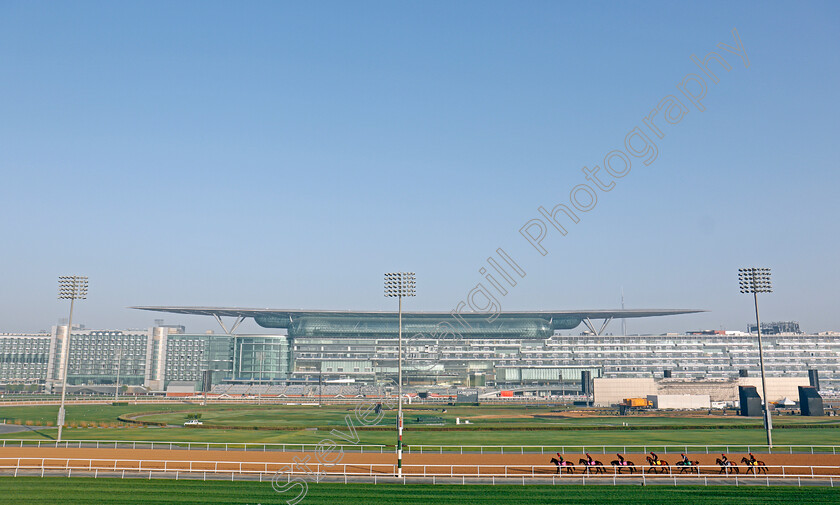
[
  {"x": 599, "y": 467},
  {"x": 570, "y": 467},
  {"x": 658, "y": 466},
  {"x": 629, "y": 464},
  {"x": 755, "y": 467},
  {"x": 727, "y": 466},
  {"x": 691, "y": 466}
]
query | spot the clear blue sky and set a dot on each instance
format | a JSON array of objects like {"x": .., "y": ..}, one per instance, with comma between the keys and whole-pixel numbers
[{"x": 286, "y": 154}]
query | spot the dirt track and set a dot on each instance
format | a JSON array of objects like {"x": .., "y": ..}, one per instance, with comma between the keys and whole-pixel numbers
[{"x": 439, "y": 464}]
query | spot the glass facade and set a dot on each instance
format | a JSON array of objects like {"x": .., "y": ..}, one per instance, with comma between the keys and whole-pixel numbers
[
  {"x": 262, "y": 358},
  {"x": 511, "y": 361},
  {"x": 97, "y": 356},
  {"x": 24, "y": 359},
  {"x": 372, "y": 327},
  {"x": 188, "y": 356}
]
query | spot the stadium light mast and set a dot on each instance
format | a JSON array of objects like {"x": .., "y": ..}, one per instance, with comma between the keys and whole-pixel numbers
[
  {"x": 70, "y": 287},
  {"x": 398, "y": 285},
  {"x": 755, "y": 281}
]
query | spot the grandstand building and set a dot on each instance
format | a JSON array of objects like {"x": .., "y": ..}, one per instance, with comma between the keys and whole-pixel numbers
[{"x": 516, "y": 350}]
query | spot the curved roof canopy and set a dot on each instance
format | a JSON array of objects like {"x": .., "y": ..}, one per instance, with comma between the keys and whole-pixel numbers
[{"x": 283, "y": 318}]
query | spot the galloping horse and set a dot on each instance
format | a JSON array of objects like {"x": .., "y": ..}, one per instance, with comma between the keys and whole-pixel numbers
[
  {"x": 727, "y": 466},
  {"x": 598, "y": 466},
  {"x": 658, "y": 466},
  {"x": 691, "y": 466},
  {"x": 754, "y": 466},
  {"x": 620, "y": 464},
  {"x": 570, "y": 467}
]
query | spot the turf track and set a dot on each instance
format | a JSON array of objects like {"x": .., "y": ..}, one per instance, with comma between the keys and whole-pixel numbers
[{"x": 51, "y": 491}]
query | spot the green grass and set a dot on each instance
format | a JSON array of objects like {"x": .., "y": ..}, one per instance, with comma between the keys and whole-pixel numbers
[
  {"x": 333, "y": 415},
  {"x": 311, "y": 424},
  {"x": 87, "y": 413},
  {"x": 490, "y": 417},
  {"x": 506, "y": 437},
  {"x": 28, "y": 490}
]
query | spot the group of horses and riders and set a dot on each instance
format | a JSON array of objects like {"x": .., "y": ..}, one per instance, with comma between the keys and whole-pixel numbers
[
  {"x": 754, "y": 466},
  {"x": 657, "y": 465},
  {"x": 590, "y": 465}
]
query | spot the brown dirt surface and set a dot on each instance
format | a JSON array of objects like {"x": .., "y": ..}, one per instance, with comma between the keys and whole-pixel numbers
[{"x": 440, "y": 464}]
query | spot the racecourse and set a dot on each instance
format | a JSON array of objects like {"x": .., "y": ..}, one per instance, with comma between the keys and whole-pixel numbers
[
  {"x": 439, "y": 452},
  {"x": 424, "y": 425}
]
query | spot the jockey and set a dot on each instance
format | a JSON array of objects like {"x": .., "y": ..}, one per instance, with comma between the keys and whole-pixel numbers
[
  {"x": 752, "y": 459},
  {"x": 724, "y": 459},
  {"x": 621, "y": 459},
  {"x": 654, "y": 457},
  {"x": 685, "y": 460},
  {"x": 558, "y": 461},
  {"x": 591, "y": 461}
]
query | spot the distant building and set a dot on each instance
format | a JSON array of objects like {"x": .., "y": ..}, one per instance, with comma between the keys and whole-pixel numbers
[
  {"x": 776, "y": 328},
  {"x": 613, "y": 391}
]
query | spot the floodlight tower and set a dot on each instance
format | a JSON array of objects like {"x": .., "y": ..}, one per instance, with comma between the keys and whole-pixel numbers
[
  {"x": 399, "y": 284},
  {"x": 70, "y": 287},
  {"x": 755, "y": 281}
]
